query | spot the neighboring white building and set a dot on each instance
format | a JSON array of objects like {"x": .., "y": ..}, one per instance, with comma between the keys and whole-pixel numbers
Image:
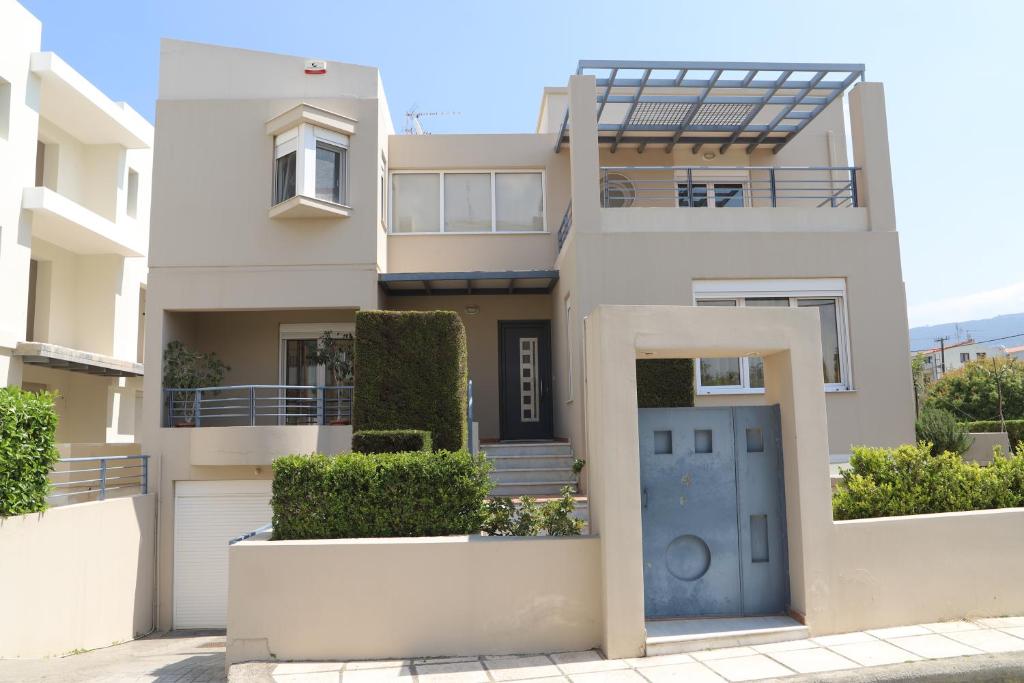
[
  {"x": 1015, "y": 352},
  {"x": 74, "y": 235},
  {"x": 956, "y": 355}
]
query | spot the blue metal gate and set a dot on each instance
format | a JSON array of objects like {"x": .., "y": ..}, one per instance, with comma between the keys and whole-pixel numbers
[{"x": 713, "y": 513}]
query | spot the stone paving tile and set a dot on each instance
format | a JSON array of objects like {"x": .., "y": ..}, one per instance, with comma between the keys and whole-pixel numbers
[
  {"x": 989, "y": 640},
  {"x": 845, "y": 639},
  {"x": 748, "y": 668},
  {"x": 951, "y": 626},
  {"x": 785, "y": 646},
  {"x": 445, "y": 660},
  {"x": 659, "y": 660},
  {"x": 285, "y": 668},
  {"x": 517, "y": 668},
  {"x": 898, "y": 632},
  {"x": 723, "y": 653},
  {"x": 813, "y": 661},
  {"x": 586, "y": 662},
  {"x": 617, "y": 676},
  {"x": 401, "y": 673},
  {"x": 1001, "y": 622},
  {"x": 1017, "y": 631},
  {"x": 693, "y": 672},
  {"x": 452, "y": 672},
  {"x": 934, "y": 646},
  {"x": 376, "y": 664},
  {"x": 874, "y": 653},
  {"x": 307, "y": 677}
]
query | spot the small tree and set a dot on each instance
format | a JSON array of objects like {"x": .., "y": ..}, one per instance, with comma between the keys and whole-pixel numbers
[
  {"x": 981, "y": 390},
  {"x": 941, "y": 429},
  {"x": 334, "y": 352},
  {"x": 187, "y": 369}
]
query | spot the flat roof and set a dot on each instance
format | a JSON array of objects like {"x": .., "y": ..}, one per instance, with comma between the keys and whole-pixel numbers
[
  {"x": 756, "y": 104},
  {"x": 469, "y": 282},
  {"x": 64, "y": 358}
]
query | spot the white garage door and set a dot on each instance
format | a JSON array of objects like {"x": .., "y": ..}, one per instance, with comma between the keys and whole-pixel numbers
[{"x": 207, "y": 514}]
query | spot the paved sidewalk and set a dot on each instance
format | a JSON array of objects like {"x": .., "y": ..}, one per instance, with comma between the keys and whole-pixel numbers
[{"x": 906, "y": 653}]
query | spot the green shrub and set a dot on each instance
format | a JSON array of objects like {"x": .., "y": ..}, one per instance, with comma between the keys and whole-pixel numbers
[
  {"x": 558, "y": 515},
  {"x": 28, "y": 422},
  {"x": 503, "y": 517},
  {"x": 391, "y": 441},
  {"x": 909, "y": 480},
  {"x": 977, "y": 389},
  {"x": 370, "y": 495},
  {"x": 664, "y": 383},
  {"x": 188, "y": 369},
  {"x": 940, "y": 428},
  {"x": 1014, "y": 429},
  {"x": 410, "y": 373}
]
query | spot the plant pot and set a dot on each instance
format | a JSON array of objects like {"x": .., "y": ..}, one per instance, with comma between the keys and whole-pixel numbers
[
  {"x": 185, "y": 424},
  {"x": 335, "y": 423}
]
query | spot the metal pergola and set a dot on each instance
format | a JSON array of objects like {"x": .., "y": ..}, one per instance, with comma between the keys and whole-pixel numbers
[{"x": 709, "y": 103}]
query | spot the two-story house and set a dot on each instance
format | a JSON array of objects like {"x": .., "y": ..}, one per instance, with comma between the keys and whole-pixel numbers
[
  {"x": 284, "y": 202},
  {"x": 74, "y": 234}
]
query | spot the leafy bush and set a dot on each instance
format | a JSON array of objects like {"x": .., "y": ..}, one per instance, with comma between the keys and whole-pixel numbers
[
  {"x": 558, "y": 516},
  {"x": 664, "y": 383},
  {"x": 391, "y": 441},
  {"x": 503, "y": 517},
  {"x": 909, "y": 480},
  {"x": 369, "y": 495},
  {"x": 188, "y": 369},
  {"x": 334, "y": 352},
  {"x": 940, "y": 428},
  {"x": 972, "y": 392},
  {"x": 1014, "y": 429},
  {"x": 28, "y": 422},
  {"x": 410, "y": 370}
]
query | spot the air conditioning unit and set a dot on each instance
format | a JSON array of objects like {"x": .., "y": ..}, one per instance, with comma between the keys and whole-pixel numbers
[{"x": 619, "y": 191}]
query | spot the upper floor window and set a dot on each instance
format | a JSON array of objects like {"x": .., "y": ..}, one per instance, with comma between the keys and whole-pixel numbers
[
  {"x": 132, "y": 206},
  {"x": 312, "y": 162},
  {"x": 965, "y": 357},
  {"x": 467, "y": 201}
]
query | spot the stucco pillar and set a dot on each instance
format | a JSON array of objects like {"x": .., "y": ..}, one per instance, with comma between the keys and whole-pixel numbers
[
  {"x": 871, "y": 153},
  {"x": 583, "y": 153}
]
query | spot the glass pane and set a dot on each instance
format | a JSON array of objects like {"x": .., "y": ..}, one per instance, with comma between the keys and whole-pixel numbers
[
  {"x": 519, "y": 199},
  {"x": 415, "y": 202},
  {"x": 300, "y": 405},
  {"x": 284, "y": 177},
  {"x": 766, "y": 302},
  {"x": 467, "y": 202},
  {"x": 328, "y": 173},
  {"x": 728, "y": 194},
  {"x": 830, "y": 353},
  {"x": 755, "y": 364},
  {"x": 700, "y": 194},
  {"x": 719, "y": 372}
]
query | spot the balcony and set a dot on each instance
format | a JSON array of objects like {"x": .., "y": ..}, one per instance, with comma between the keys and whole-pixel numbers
[
  {"x": 258, "y": 405},
  {"x": 71, "y": 226}
]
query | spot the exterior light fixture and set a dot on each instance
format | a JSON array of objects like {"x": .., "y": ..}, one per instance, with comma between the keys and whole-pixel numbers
[
  {"x": 472, "y": 309},
  {"x": 709, "y": 155}
]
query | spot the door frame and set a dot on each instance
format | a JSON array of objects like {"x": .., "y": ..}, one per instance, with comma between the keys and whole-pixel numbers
[{"x": 547, "y": 407}]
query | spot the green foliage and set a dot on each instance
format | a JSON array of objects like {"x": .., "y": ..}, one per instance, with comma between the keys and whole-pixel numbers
[
  {"x": 909, "y": 480},
  {"x": 558, "y": 516},
  {"x": 972, "y": 392},
  {"x": 502, "y": 517},
  {"x": 391, "y": 441},
  {"x": 410, "y": 370},
  {"x": 334, "y": 352},
  {"x": 578, "y": 465},
  {"x": 188, "y": 369},
  {"x": 664, "y": 383},
  {"x": 372, "y": 495},
  {"x": 940, "y": 428},
  {"x": 1014, "y": 429},
  {"x": 28, "y": 422}
]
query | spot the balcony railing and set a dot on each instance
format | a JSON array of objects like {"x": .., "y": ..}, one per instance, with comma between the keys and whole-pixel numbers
[
  {"x": 258, "y": 404},
  {"x": 79, "y": 480},
  {"x": 565, "y": 227},
  {"x": 729, "y": 186}
]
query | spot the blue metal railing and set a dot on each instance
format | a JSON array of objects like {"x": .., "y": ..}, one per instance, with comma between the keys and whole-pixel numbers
[
  {"x": 565, "y": 227},
  {"x": 469, "y": 414},
  {"x": 258, "y": 404},
  {"x": 110, "y": 473},
  {"x": 249, "y": 534}
]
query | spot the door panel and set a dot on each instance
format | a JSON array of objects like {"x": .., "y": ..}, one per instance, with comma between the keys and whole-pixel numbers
[{"x": 525, "y": 357}]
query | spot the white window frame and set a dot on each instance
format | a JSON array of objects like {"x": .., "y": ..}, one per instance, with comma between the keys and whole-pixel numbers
[
  {"x": 307, "y": 331},
  {"x": 302, "y": 139},
  {"x": 794, "y": 289},
  {"x": 494, "y": 205},
  {"x": 712, "y": 177}
]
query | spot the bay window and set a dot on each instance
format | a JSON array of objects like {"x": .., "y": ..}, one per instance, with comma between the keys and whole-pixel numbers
[
  {"x": 311, "y": 166},
  {"x": 467, "y": 201}
]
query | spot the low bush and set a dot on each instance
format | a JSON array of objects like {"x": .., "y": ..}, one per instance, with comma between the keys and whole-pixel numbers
[
  {"x": 910, "y": 480},
  {"x": 391, "y": 441},
  {"x": 368, "y": 495},
  {"x": 940, "y": 428},
  {"x": 1014, "y": 429},
  {"x": 28, "y": 422},
  {"x": 503, "y": 517},
  {"x": 664, "y": 383}
]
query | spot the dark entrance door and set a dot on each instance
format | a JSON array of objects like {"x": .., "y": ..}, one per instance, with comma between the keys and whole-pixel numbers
[{"x": 524, "y": 351}]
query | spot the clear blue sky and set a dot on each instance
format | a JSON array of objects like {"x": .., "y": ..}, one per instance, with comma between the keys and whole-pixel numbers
[{"x": 951, "y": 71}]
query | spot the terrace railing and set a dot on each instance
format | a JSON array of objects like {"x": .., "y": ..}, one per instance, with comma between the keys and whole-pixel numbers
[
  {"x": 79, "y": 480},
  {"x": 565, "y": 227},
  {"x": 258, "y": 404},
  {"x": 729, "y": 186}
]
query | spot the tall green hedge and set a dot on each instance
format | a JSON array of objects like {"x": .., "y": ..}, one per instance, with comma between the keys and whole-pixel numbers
[
  {"x": 664, "y": 383},
  {"x": 391, "y": 441},
  {"x": 411, "y": 373},
  {"x": 377, "y": 495},
  {"x": 1014, "y": 429},
  {"x": 27, "y": 454}
]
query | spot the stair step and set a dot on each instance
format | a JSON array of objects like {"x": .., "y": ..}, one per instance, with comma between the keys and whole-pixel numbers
[
  {"x": 545, "y": 448},
  {"x": 534, "y": 474},
  {"x": 673, "y": 636},
  {"x": 514, "y": 462},
  {"x": 530, "y": 488}
]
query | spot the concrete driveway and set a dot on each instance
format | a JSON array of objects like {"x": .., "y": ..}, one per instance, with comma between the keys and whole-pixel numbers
[{"x": 165, "y": 657}]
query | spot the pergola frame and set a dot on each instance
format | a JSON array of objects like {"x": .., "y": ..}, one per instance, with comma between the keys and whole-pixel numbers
[{"x": 756, "y": 104}]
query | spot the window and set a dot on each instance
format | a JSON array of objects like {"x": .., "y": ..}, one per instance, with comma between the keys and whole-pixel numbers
[
  {"x": 133, "y": 193},
  {"x": 721, "y": 194},
  {"x": 740, "y": 375},
  {"x": 467, "y": 201},
  {"x": 324, "y": 176},
  {"x": 965, "y": 357},
  {"x": 980, "y": 355}
]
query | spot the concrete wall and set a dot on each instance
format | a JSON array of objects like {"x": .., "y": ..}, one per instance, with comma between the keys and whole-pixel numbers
[
  {"x": 82, "y": 577},
  {"x": 983, "y": 446},
  {"x": 415, "y": 597}
]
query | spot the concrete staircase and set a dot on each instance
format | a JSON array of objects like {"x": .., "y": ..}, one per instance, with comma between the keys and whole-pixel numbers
[{"x": 538, "y": 469}]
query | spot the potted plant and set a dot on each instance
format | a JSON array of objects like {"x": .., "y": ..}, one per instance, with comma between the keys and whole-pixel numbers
[
  {"x": 184, "y": 371},
  {"x": 334, "y": 351}
]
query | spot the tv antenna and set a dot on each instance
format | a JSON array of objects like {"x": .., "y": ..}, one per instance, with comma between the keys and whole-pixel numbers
[{"x": 412, "y": 120}]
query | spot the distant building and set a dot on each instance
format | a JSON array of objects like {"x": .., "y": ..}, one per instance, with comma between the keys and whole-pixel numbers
[
  {"x": 956, "y": 355},
  {"x": 1015, "y": 352}
]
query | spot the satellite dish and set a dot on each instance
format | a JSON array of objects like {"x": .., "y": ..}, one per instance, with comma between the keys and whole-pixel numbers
[{"x": 619, "y": 191}]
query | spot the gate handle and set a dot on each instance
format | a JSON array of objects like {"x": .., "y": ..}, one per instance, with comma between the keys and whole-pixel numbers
[{"x": 643, "y": 497}]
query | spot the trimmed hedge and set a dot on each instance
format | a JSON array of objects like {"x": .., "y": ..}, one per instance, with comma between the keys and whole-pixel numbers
[
  {"x": 664, "y": 383},
  {"x": 1014, "y": 429},
  {"x": 377, "y": 495},
  {"x": 28, "y": 422},
  {"x": 391, "y": 441},
  {"x": 909, "y": 480},
  {"x": 411, "y": 373}
]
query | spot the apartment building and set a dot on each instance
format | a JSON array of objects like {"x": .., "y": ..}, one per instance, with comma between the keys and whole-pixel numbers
[
  {"x": 284, "y": 202},
  {"x": 943, "y": 359},
  {"x": 74, "y": 234}
]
